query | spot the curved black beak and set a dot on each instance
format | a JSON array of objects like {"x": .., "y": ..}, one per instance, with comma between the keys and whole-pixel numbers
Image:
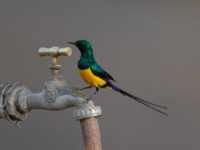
[{"x": 72, "y": 43}]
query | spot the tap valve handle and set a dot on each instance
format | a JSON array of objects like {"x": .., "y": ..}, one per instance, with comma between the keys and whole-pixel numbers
[{"x": 55, "y": 52}]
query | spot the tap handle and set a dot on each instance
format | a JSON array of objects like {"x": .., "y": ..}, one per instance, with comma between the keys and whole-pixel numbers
[{"x": 55, "y": 51}]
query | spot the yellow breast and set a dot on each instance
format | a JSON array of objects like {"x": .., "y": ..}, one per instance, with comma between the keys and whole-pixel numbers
[{"x": 90, "y": 78}]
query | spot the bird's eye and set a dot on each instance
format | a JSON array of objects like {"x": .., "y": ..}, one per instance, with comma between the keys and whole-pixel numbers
[{"x": 80, "y": 44}]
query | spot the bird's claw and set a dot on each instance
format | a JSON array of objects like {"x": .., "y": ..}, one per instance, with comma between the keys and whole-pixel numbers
[{"x": 75, "y": 89}]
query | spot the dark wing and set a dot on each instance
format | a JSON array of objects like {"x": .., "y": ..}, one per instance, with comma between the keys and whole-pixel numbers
[{"x": 98, "y": 71}]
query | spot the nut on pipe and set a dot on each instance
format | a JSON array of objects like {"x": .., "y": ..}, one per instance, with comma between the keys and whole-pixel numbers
[{"x": 55, "y": 51}]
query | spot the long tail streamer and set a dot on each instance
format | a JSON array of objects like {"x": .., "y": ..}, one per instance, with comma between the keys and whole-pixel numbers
[{"x": 144, "y": 102}]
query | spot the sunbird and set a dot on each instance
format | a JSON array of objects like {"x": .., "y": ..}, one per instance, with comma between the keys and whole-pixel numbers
[{"x": 97, "y": 77}]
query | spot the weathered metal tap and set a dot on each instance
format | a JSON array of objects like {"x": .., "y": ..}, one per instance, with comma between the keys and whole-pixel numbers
[{"x": 16, "y": 101}]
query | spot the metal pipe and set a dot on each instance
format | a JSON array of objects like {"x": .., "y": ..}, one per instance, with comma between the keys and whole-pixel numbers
[
  {"x": 91, "y": 134},
  {"x": 87, "y": 114}
]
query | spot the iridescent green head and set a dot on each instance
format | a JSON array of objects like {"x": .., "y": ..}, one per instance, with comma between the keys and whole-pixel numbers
[
  {"x": 83, "y": 45},
  {"x": 87, "y": 57}
]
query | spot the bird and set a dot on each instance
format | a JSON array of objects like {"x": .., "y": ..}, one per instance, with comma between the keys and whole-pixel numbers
[{"x": 95, "y": 76}]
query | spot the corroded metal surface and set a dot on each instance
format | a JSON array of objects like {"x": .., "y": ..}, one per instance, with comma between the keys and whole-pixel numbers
[
  {"x": 87, "y": 110},
  {"x": 16, "y": 101}
]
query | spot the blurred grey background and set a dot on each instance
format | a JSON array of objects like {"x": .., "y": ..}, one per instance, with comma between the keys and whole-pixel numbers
[{"x": 151, "y": 48}]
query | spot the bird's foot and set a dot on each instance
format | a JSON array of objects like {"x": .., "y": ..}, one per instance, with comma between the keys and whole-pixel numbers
[
  {"x": 75, "y": 89},
  {"x": 80, "y": 89},
  {"x": 96, "y": 90},
  {"x": 84, "y": 88}
]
